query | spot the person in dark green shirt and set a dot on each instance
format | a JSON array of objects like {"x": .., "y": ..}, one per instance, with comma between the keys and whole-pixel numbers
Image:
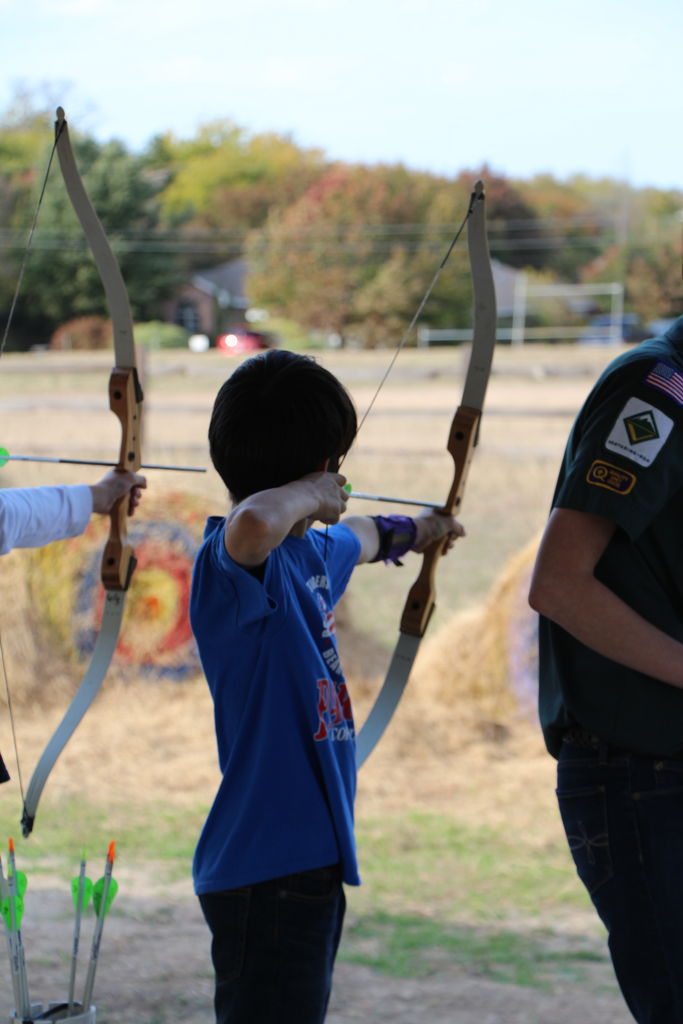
[{"x": 608, "y": 584}]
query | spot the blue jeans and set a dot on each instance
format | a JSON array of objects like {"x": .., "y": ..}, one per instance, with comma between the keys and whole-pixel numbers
[
  {"x": 623, "y": 817},
  {"x": 273, "y": 947}
]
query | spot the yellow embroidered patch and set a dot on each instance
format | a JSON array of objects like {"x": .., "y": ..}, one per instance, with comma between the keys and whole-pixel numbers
[{"x": 604, "y": 474}]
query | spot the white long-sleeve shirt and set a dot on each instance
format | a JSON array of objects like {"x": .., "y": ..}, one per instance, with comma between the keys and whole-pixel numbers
[{"x": 33, "y": 516}]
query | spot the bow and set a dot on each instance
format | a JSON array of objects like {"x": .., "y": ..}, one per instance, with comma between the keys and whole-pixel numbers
[
  {"x": 125, "y": 401},
  {"x": 462, "y": 439}
]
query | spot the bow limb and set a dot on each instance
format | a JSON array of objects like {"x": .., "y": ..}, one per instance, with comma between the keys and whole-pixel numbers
[
  {"x": 125, "y": 393},
  {"x": 125, "y": 401},
  {"x": 462, "y": 440}
]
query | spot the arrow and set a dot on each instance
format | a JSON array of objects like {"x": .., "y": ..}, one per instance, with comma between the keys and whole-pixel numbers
[
  {"x": 392, "y": 501},
  {"x": 12, "y": 913},
  {"x": 104, "y": 891},
  {"x": 11, "y": 944},
  {"x": 81, "y": 893},
  {"x": 12, "y": 907},
  {"x": 5, "y": 457}
]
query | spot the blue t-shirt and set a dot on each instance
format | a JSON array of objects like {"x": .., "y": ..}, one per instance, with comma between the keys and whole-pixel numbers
[{"x": 284, "y": 725}]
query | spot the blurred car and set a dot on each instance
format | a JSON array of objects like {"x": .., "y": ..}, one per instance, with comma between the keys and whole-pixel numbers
[
  {"x": 198, "y": 343},
  {"x": 659, "y": 327},
  {"x": 242, "y": 340},
  {"x": 605, "y": 329}
]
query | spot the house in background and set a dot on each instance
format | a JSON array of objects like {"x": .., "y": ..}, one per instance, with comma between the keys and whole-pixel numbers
[
  {"x": 214, "y": 300},
  {"x": 211, "y": 302},
  {"x": 214, "y": 303}
]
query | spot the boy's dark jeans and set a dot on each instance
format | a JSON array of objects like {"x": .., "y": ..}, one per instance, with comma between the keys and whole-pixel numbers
[
  {"x": 274, "y": 946},
  {"x": 623, "y": 816}
]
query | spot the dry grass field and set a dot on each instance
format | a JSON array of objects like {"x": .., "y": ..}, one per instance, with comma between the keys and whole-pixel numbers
[{"x": 141, "y": 768}]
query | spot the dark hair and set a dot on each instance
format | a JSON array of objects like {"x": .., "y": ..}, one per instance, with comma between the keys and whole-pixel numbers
[{"x": 277, "y": 418}]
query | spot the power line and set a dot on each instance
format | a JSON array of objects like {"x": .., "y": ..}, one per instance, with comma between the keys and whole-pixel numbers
[{"x": 544, "y": 235}]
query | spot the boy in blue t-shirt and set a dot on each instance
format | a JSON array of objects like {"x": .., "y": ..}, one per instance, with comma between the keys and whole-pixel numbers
[{"x": 278, "y": 842}]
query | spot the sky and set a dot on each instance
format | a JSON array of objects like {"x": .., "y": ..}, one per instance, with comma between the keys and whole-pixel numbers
[{"x": 591, "y": 87}]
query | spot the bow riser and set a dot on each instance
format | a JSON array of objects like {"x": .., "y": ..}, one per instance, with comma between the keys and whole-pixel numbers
[
  {"x": 421, "y": 600},
  {"x": 125, "y": 398},
  {"x": 118, "y": 560}
]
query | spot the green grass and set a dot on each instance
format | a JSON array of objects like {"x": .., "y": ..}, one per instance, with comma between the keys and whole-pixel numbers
[
  {"x": 456, "y": 871},
  {"x": 437, "y": 892},
  {"x": 143, "y": 832},
  {"x": 400, "y": 945}
]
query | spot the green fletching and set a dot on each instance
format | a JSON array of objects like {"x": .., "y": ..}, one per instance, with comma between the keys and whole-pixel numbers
[
  {"x": 86, "y": 894},
  {"x": 98, "y": 891},
  {"x": 4, "y": 457},
  {"x": 21, "y": 883},
  {"x": 6, "y": 912}
]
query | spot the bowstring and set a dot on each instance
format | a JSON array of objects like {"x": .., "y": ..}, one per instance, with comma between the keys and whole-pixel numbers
[
  {"x": 407, "y": 333},
  {"x": 3, "y": 344},
  {"x": 27, "y": 248},
  {"x": 11, "y": 719},
  {"x": 416, "y": 316}
]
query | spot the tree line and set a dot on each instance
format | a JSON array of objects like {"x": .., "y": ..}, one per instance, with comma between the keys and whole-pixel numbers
[{"x": 332, "y": 247}]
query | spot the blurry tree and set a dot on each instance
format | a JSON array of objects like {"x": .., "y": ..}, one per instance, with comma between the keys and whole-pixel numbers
[
  {"x": 338, "y": 248},
  {"x": 516, "y": 235},
  {"x": 385, "y": 305},
  {"x": 61, "y": 279},
  {"x": 354, "y": 255},
  {"x": 646, "y": 251},
  {"x": 23, "y": 155},
  {"x": 653, "y": 281},
  {"x": 26, "y": 126},
  {"x": 651, "y": 275},
  {"x": 83, "y": 332},
  {"x": 451, "y": 301},
  {"x": 226, "y": 180},
  {"x": 157, "y": 335},
  {"x": 573, "y": 223}
]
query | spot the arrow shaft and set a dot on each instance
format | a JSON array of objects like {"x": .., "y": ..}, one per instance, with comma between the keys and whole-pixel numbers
[
  {"x": 18, "y": 958},
  {"x": 23, "y": 978},
  {"x": 95, "y": 462},
  {"x": 395, "y": 501},
  {"x": 11, "y": 945},
  {"x": 77, "y": 935},
  {"x": 74, "y": 963},
  {"x": 94, "y": 957},
  {"x": 101, "y": 911},
  {"x": 14, "y": 970}
]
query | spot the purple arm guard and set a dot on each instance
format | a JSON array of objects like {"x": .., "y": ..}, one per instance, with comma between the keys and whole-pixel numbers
[{"x": 396, "y": 536}]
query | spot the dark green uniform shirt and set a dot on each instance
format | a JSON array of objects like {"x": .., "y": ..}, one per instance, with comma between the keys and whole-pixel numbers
[{"x": 624, "y": 461}]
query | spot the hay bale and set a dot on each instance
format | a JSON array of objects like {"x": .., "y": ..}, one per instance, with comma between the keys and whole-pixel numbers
[
  {"x": 32, "y": 671},
  {"x": 476, "y": 677}
]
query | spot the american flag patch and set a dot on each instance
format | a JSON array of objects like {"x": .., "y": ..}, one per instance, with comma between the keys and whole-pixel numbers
[{"x": 665, "y": 378}]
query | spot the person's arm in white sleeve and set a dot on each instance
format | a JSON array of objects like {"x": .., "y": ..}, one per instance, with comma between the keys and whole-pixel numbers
[{"x": 33, "y": 516}]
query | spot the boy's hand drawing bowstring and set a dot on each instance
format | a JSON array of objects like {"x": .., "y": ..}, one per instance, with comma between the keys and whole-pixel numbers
[
  {"x": 125, "y": 401},
  {"x": 462, "y": 439}
]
